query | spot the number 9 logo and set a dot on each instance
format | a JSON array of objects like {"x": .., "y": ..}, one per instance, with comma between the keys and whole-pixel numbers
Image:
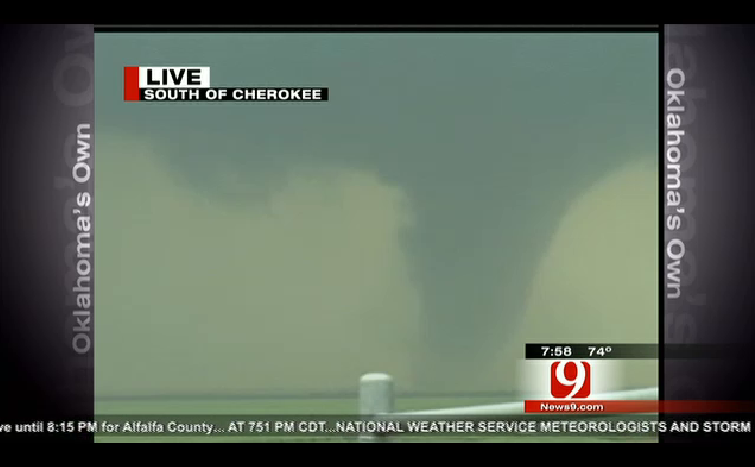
[{"x": 570, "y": 380}]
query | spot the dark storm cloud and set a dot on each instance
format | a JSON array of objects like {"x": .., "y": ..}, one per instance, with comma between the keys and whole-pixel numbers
[{"x": 489, "y": 138}]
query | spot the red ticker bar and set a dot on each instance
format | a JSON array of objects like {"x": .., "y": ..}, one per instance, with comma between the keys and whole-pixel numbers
[{"x": 583, "y": 406}]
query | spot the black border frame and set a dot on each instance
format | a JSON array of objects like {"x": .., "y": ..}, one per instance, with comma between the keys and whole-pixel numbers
[{"x": 30, "y": 392}]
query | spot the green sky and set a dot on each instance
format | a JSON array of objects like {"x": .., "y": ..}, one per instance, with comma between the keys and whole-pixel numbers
[{"x": 458, "y": 193}]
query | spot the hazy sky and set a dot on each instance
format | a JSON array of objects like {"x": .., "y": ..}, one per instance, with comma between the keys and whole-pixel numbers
[{"x": 454, "y": 185}]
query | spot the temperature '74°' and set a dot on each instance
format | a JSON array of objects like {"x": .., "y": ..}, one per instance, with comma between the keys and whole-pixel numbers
[{"x": 599, "y": 351}]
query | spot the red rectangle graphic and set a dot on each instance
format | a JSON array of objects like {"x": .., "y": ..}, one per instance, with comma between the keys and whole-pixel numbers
[{"x": 131, "y": 83}]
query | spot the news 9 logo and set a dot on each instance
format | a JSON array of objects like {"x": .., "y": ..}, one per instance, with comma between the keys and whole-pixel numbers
[{"x": 570, "y": 380}]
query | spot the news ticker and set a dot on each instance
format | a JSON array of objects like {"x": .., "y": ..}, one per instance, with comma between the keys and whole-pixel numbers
[
  {"x": 632, "y": 351},
  {"x": 354, "y": 426},
  {"x": 183, "y": 84}
]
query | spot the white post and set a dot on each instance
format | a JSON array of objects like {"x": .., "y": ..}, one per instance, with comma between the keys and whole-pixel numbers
[{"x": 375, "y": 397}]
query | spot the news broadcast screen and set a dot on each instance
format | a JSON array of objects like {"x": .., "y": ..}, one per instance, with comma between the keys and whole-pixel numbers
[{"x": 377, "y": 234}]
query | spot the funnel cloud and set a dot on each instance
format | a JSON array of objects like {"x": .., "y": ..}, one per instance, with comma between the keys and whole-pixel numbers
[{"x": 304, "y": 292}]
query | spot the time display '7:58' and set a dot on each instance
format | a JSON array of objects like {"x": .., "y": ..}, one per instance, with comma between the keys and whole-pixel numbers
[{"x": 584, "y": 351}]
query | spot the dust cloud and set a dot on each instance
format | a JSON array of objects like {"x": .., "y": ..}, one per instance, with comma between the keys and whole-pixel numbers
[{"x": 304, "y": 292}]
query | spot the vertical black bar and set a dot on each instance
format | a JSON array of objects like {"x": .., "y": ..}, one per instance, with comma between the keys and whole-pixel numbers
[
  {"x": 709, "y": 110},
  {"x": 46, "y": 328}
]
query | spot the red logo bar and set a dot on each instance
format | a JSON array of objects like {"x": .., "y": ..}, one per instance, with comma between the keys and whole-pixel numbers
[{"x": 637, "y": 406}]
